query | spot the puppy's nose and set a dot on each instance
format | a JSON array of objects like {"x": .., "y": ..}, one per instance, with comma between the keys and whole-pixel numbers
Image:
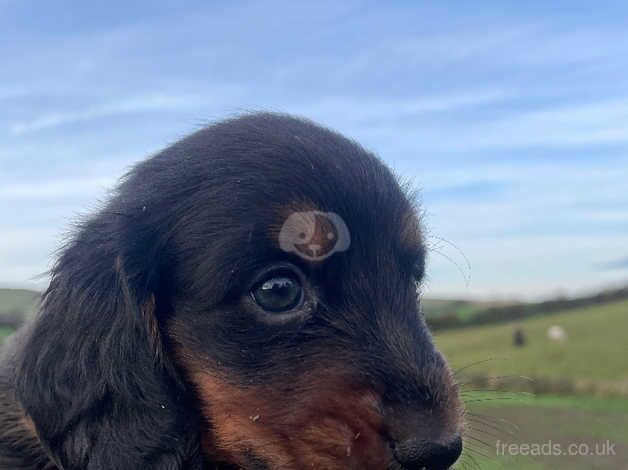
[{"x": 414, "y": 453}]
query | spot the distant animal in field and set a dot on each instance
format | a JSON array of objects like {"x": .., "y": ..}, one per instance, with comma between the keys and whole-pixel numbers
[
  {"x": 519, "y": 338},
  {"x": 557, "y": 333}
]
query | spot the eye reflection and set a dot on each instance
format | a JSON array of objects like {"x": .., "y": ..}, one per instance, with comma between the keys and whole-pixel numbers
[{"x": 278, "y": 293}]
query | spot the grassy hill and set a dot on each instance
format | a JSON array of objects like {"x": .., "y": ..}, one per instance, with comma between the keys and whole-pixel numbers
[
  {"x": 562, "y": 421},
  {"x": 596, "y": 347},
  {"x": 4, "y": 332},
  {"x": 434, "y": 307},
  {"x": 595, "y": 350},
  {"x": 20, "y": 300},
  {"x": 15, "y": 304},
  {"x": 449, "y": 315}
]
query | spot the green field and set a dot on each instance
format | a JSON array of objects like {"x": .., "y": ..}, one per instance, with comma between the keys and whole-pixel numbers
[
  {"x": 4, "y": 332},
  {"x": 535, "y": 421},
  {"x": 16, "y": 302},
  {"x": 20, "y": 300},
  {"x": 596, "y": 347},
  {"x": 596, "y": 350},
  {"x": 433, "y": 307}
]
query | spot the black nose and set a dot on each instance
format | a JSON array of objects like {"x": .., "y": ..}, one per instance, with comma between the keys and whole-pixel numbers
[{"x": 418, "y": 454}]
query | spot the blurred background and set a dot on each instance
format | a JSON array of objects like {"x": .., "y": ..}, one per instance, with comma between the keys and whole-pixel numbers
[{"x": 510, "y": 118}]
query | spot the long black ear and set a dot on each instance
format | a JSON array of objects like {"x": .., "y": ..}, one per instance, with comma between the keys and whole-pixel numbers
[{"x": 91, "y": 376}]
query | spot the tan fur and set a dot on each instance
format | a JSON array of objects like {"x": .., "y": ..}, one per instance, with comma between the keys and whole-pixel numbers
[
  {"x": 320, "y": 422},
  {"x": 19, "y": 445}
]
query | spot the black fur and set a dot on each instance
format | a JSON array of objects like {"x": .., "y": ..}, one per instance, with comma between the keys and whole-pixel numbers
[{"x": 164, "y": 265}]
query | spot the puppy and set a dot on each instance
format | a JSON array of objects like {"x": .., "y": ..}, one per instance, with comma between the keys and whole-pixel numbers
[{"x": 246, "y": 299}]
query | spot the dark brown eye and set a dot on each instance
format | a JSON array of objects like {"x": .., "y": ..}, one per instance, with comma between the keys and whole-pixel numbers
[{"x": 279, "y": 293}]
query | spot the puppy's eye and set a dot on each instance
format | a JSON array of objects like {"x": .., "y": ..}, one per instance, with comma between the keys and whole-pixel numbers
[{"x": 278, "y": 293}]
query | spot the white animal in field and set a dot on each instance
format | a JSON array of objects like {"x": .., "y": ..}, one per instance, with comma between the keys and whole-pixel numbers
[{"x": 556, "y": 333}]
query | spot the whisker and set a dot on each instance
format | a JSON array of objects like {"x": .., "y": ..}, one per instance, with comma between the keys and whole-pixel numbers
[
  {"x": 479, "y": 453},
  {"x": 480, "y": 441},
  {"x": 457, "y": 371},
  {"x": 455, "y": 247},
  {"x": 488, "y": 432},
  {"x": 496, "y": 378},
  {"x": 491, "y": 419},
  {"x": 465, "y": 276},
  {"x": 475, "y": 462},
  {"x": 492, "y": 426},
  {"x": 467, "y": 461},
  {"x": 484, "y": 400}
]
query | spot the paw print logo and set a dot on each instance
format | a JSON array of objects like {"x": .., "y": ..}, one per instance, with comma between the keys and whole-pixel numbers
[{"x": 314, "y": 235}]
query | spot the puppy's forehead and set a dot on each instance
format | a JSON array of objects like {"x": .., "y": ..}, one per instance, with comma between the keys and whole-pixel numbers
[
  {"x": 244, "y": 179},
  {"x": 335, "y": 228}
]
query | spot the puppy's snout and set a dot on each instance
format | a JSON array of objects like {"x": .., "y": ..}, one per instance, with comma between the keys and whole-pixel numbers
[
  {"x": 417, "y": 453},
  {"x": 424, "y": 438},
  {"x": 424, "y": 431}
]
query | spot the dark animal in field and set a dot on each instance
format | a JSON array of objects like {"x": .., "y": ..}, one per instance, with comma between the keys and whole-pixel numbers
[
  {"x": 519, "y": 338},
  {"x": 178, "y": 333}
]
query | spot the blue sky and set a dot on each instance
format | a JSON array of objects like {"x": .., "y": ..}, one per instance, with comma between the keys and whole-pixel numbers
[{"x": 510, "y": 117}]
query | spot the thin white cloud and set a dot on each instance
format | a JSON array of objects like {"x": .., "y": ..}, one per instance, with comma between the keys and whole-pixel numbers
[
  {"x": 524, "y": 44},
  {"x": 449, "y": 46},
  {"x": 26, "y": 254},
  {"x": 535, "y": 46},
  {"x": 543, "y": 180},
  {"x": 348, "y": 110},
  {"x": 595, "y": 123},
  {"x": 45, "y": 190},
  {"x": 125, "y": 106},
  {"x": 590, "y": 123},
  {"x": 616, "y": 216}
]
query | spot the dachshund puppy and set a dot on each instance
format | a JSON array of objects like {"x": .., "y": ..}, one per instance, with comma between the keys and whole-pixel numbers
[{"x": 247, "y": 298}]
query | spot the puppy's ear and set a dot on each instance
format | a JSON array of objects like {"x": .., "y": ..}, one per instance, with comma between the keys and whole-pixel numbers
[{"x": 92, "y": 376}]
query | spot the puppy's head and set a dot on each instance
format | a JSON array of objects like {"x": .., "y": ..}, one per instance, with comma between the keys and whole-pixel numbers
[{"x": 258, "y": 278}]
